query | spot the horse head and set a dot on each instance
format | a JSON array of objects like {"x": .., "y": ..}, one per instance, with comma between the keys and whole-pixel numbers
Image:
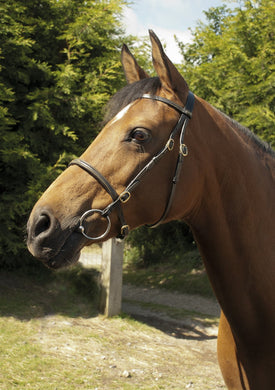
[{"x": 104, "y": 194}]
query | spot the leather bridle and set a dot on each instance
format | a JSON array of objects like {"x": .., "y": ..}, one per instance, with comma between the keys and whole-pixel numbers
[{"x": 118, "y": 200}]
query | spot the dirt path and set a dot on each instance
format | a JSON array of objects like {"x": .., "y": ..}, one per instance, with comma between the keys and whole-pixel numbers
[
  {"x": 171, "y": 310},
  {"x": 191, "y": 324},
  {"x": 194, "y": 303}
]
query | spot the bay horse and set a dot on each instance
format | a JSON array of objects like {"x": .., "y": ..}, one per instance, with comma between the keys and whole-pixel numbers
[{"x": 166, "y": 154}]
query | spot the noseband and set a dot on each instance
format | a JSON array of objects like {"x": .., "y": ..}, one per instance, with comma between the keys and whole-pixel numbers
[{"x": 118, "y": 200}]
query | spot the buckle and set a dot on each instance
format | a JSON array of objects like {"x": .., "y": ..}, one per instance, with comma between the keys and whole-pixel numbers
[
  {"x": 170, "y": 144},
  {"x": 124, "y": 196},
  {"x": 124, "y": 230},
  {"x": 184, "y": 150}
]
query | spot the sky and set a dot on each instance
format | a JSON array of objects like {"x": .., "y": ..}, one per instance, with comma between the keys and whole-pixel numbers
[{"x": 167, "y": 18}]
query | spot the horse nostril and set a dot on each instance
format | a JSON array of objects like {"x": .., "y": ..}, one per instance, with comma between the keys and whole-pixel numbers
[
  {"x": 41, "y": 228},
  {"x": 42, "y": 225}
]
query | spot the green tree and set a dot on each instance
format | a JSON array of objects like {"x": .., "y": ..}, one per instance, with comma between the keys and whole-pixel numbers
[
  {"x": 59, "y": 64},
  {"x": 230, "y": 63},
  {"x": 150, "y": 246}
]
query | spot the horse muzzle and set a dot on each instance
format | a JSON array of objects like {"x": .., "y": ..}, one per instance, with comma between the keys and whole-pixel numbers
[{"x": 55, "y": 246}]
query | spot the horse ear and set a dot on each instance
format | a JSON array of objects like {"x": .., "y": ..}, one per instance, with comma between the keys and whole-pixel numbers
[
  {"x": 169, "y": 76},
  {"x": 133, "y": 72}
]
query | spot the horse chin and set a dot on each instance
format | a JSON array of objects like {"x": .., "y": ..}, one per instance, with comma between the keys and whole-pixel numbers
[
  {"x": 67, "y": 255},
  {"x": 62, "y": 261}
]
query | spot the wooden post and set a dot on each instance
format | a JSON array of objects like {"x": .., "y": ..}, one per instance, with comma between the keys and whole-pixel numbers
[{"x": 111, "y": 277}]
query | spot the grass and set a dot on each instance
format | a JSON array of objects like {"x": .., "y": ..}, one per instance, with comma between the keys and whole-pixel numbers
[
  {"x": 185, "y": 275},
  {"x": 26, "y": 300},
  {"x": 22, "y": 362},
  {"x": 52, "y": 337},
  {"x": 38, "y": 294}
]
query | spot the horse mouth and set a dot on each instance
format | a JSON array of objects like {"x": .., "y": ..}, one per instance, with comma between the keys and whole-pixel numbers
[
  {"x": 62, "y": 260},
  {"x": 65, "y": 255}
]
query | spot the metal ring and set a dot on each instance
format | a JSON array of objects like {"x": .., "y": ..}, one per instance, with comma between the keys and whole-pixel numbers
[{"x": 87, "y": 214}]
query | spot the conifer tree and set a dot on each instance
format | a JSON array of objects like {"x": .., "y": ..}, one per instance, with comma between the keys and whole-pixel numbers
[
  {"x": 59, "y": 64},
  {"x": 230, "y": 63}
]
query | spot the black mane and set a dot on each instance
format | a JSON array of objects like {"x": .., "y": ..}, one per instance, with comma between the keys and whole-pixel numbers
[
  {"x": 128, "y": 94},
  {"x": 252, "y": 137}
]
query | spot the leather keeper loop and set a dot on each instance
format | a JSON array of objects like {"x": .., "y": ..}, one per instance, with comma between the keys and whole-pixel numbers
[
  {"x": 184, "y": 150},
  {"x": 125, "y": 196},
  {"x": 170, "y": 144},
  {"x": 124, "y": 230}
]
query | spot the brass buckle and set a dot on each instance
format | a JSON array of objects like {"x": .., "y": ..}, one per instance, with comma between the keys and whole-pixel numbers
[
  {"x": 124, "y": 196},
  {"x": 184, "y": 150},
  {"x": 124, "y": 230},
  {"x": 170, "y": 144}
]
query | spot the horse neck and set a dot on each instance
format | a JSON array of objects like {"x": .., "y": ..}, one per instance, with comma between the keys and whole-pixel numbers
[{"x": 234, "y": 223}]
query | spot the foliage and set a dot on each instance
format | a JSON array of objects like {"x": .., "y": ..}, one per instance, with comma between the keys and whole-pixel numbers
[
  {"x": 182, "y": 271},
  {"x": 142, "y": 51},
  {"x": 59, "y": 64},
  {"x": 230, "y": 63},
  {"x": 149, "y": 246}
]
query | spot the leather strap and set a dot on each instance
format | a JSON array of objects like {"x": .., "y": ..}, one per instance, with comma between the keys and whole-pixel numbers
[
  {"x": 97, "y": 175},
  {"x": 187, "y": 110},
  {"x": 110, "y": 189},
  {"x": 186, "y": 114}
]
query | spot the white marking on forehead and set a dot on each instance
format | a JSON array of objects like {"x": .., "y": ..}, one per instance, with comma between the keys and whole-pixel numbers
[{"x": 121, "y": 113}]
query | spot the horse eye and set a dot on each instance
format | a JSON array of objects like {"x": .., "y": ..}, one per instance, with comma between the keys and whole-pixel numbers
[{"x": 139, "y": 136}]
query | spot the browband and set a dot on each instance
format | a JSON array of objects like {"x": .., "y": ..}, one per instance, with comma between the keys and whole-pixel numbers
[{"x": 187, "y": 110}]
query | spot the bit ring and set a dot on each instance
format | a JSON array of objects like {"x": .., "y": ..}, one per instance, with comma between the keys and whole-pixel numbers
[{"x": 88, "y": 213}]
